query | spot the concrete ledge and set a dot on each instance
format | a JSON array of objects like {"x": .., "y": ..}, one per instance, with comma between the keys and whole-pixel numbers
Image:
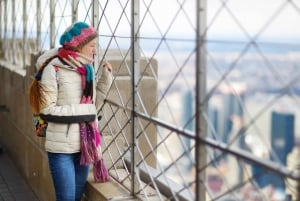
[
  {"x": 113, "y": 191},
  {"x": 105, "y": 191},
  {"x": 12, "y": 67}
]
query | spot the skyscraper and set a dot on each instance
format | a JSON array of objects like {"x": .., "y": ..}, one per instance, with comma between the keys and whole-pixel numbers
[
  {"x": 233, "y": 96},
  {"x": 282, "y": 143},
  {"x": 282, "y": 135}
]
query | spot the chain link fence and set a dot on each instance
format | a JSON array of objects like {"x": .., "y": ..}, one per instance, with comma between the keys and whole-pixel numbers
[{"x": 224, "y": 123}]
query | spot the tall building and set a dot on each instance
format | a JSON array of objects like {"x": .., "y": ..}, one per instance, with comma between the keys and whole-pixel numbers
[
  {"x": 282, "y": 143},
  {"x": 282, "y": 135},
  {"x": 233, "y": 96},
  {"x": 213, "y": 116},
  {"x": 188, "y": 111},
  {"x": 188, "y": 122}
]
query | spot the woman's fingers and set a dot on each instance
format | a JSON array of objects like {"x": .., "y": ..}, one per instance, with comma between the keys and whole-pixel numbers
[{"x": 108, "y": 66}]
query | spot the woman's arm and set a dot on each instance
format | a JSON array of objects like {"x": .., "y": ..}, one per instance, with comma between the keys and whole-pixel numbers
[{"x": 103, "y": 85}]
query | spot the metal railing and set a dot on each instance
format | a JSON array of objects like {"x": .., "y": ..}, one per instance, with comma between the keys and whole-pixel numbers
[{"x": 226, "y": 109}]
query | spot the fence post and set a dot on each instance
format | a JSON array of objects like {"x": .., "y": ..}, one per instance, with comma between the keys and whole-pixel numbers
[
  {"x": 75, "y": 10},
  {"x": 201, "y": 102},
  {"x": 38, "y": 25},
  {"x": 25, "y": 41},
  {"x": 13, "y": 17},
  {"x": 135, "y": 69},
  {"x": 95, "y": 22},
  {"x": 298, "y": 181},
  {"x": 52, "y": 23}
]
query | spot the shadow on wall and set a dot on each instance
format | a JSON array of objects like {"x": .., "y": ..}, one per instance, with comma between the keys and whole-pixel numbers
[{"x": 3, "y": 108}]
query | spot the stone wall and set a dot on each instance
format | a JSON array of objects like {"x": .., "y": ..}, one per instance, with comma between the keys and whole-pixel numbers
[{"x": 17, "y": 131}]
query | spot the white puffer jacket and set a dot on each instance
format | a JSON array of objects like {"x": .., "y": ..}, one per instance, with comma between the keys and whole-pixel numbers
[{"x": 62, "y": 109}]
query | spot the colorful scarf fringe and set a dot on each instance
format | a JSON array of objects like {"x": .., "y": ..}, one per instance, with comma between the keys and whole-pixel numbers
[{"x": 89, "y": 133}]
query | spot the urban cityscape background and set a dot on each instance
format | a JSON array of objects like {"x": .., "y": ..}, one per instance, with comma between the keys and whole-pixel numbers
[{"x": 249, "y": 89}]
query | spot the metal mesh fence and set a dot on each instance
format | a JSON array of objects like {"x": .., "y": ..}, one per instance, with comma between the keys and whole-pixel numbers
[{"x": 211, "y": 110}]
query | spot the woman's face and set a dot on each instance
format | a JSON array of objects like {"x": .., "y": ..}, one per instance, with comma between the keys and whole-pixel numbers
[{"x": 89, "y": 49}]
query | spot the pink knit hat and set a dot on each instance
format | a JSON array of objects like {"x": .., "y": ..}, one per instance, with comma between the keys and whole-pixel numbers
[{"x": 77, "y": 35}]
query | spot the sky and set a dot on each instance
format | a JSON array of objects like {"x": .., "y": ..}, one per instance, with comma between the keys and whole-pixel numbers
[{"x": 271, "y": 19}]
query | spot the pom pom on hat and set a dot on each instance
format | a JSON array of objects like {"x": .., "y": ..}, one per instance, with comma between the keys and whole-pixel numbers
[{"x": 77, "y": 35}]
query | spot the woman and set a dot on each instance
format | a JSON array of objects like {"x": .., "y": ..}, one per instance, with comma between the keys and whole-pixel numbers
[{"x": 70, "y": 99}]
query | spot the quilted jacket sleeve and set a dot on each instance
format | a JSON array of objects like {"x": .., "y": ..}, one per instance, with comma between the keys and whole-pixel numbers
[{"x": 103, "y": 86}]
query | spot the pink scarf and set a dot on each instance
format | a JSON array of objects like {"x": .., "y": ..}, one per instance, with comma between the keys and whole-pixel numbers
[{"x": 90, "y": 140}]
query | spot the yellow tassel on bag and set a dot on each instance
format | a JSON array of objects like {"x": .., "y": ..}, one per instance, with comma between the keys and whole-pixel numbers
[{"x": 35, "y": 100}]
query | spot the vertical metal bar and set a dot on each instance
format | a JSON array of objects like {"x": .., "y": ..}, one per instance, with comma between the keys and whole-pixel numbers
[
  {"x": 52, "y": 23},
  {"x": 75, "y": 10},
  {"x": 1, "y": 18},
  {"x": 201, "y": 104},
  {"x": 13, "y": 17},
  {"x": 38, "y": 25},
  {"x": 298, "y": 186},
  {"x": 135, "y": 69},
  {"x": 5, "y": 27},
  {"x": 95, "y": 23},
  {"x": 25, "y": 41}
]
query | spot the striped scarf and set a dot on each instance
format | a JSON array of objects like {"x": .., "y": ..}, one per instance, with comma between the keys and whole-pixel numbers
[{"x": 89, "y": 134}]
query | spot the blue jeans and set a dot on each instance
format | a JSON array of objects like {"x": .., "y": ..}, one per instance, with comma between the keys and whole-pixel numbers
[{"x": 69, "y": 177}]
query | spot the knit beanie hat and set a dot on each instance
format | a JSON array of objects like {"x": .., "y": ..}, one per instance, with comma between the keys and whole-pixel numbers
[{"x": 77, "y": 35}]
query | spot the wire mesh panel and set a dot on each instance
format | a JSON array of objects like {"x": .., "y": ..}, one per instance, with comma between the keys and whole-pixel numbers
[
  {"x": 236, "y": 116},
  {"x": 207, "y": 88}
]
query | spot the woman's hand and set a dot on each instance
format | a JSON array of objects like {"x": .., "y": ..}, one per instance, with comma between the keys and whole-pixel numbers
[{"x": 108, "y": 66}]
